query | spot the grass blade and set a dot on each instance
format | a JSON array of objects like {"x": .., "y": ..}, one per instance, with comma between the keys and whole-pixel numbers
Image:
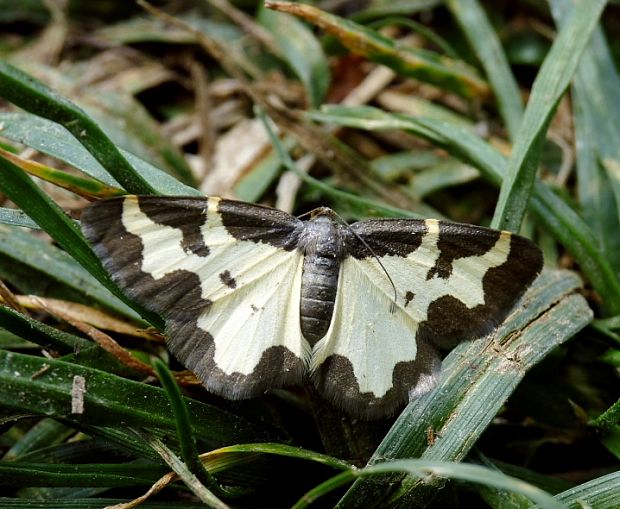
[
  {"x": 15, "y": 217},
  {"x": 302, "y": 52},
  {"x": 185, "y": 433},
  {"x": 609, "y": 419},
  {"x": 601, "y": 493},
  {"x": 423, "y": 65},
  {"x": 43, "y": 386},
  {"x": 86, "y": 187},
  {"x": 40, "y": 333},
  {"x": 54, "y": 140},
  {"x": 58, "y": 266},
  {"x": 33, "y": 96},
  {"x": 429, "y": 470},
  {"x": 87, "y": 503},
  {"x": 281, "y": 450},
  {"x": 44, "y": 433},
  {"x": 471, "y": 473},
  {"x": 550, "y": 84},
  {"x": 181, "y": 469},
  {"x": 477, "y": 28},
  {"x": 596, "y": 102},
  {"x": 108, "y": 475}
]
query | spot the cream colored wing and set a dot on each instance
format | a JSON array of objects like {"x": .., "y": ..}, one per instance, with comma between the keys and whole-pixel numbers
[
  {"x": 225, "y": 276},
  {"x": 406, "y": 288}
]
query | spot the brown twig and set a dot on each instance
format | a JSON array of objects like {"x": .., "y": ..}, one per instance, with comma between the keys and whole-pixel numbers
[{"x": 10, "y": 299}]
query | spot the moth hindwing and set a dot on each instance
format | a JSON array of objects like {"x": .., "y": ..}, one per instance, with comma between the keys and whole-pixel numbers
[{"x": 255, "y": 298}]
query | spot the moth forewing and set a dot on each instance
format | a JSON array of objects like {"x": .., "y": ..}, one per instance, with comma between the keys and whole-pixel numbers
[
  {"x": 263, "y": 311},
  {"x": 231, "y": 302}
]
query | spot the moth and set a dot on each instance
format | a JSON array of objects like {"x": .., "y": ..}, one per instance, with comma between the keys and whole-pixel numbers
[{"x": 256, "y": 299}]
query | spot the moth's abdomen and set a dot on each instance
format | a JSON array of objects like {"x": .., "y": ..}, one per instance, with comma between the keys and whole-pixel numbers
[
  {"x": 318, "y": 294},
  {"x": 322, "y": 244}
]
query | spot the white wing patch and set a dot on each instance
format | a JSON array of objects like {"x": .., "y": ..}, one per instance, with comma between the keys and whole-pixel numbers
[
  {"x": 465, "y": 282},
  {"x": 262, "y": 312},
  {"x": 256, "y": 306},
  {"x": 364, "y": 331},
  {"x": 374, "y": 339}
]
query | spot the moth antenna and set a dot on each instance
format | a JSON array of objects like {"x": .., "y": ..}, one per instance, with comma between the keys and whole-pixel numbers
[
  {"x": 321, "y": 211},
  {"x": 393, "y": 303},
  {"x": 305, "y": 214}
]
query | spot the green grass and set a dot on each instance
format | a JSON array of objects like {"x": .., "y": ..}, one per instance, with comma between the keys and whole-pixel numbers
[{"x": 514, "y": 415}]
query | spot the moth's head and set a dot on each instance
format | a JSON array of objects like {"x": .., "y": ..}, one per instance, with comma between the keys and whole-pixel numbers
[{"x": 323, "y": 211}]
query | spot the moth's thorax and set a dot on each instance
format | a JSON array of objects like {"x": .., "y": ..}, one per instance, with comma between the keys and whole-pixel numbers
[
  {"x": 322, "y": 241},
  {"x": 322, "y": 236}
]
